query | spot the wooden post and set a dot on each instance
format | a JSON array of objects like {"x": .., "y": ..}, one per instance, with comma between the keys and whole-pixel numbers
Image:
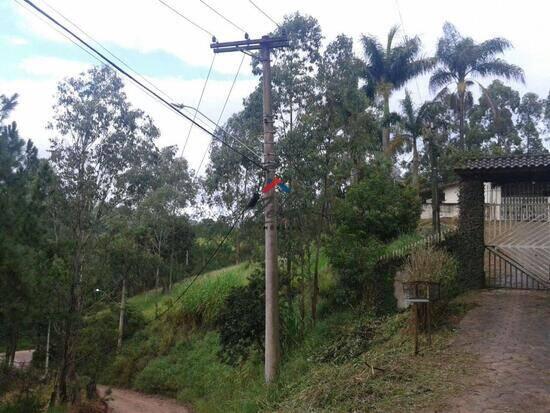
[{"x": 415, "y": 312}]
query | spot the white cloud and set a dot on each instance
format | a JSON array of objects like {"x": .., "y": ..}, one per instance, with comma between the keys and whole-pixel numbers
[
  {"x": 52, "y": 67},
  {"x": 146, "y": 26},
  {"x": 16, "y": 41},
  {"x": 36, "y": 98}
]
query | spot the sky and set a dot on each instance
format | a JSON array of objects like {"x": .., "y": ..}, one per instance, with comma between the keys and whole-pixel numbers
[{"x": 176, "y": 56}]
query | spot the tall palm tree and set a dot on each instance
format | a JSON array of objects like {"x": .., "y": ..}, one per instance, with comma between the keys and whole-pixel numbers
[
  {"x": 411, "y": 124},
  {"x": 460, "y": 60},
  {"x": 389, "y": 68}
]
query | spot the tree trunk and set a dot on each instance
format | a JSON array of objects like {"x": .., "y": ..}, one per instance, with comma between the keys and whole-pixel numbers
[
  {"x": 157, "y": 275},
  {"x": 302, "y": 296},
  {"x": 386, "y": 128},
  {"x": 47, "y": 361},
  {"x": 68, "y": 390},
  {"x": 461, "y": 114},
  {"x": 315, "y": 287},
  {"x": 121, "y": 315},
  {"x": 11, "y": 347},
  {"x": 436, "y": 224},
  {"x": 415, "y": 166},
  {"x": 171, "y": 271}
]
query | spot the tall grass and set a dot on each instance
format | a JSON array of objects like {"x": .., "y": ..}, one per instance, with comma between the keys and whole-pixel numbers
[{"x": 202, "y": 299}]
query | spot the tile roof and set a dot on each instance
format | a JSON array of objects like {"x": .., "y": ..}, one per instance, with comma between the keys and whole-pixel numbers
[{"x": 505, "y": 162}]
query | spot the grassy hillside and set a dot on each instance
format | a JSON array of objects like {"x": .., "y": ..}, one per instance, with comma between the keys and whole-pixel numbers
[
  {"x": 204, "y": 297},
  {"x": 348, "y": 361}
]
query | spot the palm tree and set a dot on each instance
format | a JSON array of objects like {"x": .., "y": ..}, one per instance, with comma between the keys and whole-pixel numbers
[
  {"x": 460, "y": 60},
  {"x": 411, "y": 124},
  {"x": 389, "y": 68}
]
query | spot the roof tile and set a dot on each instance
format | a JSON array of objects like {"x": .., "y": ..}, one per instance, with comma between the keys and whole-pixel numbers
[{"x": 505, "y": 162}]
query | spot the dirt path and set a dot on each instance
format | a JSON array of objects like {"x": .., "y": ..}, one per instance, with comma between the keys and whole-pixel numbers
[
  {"x": 127, "y": 401},
  {"x": 510, "y": 331},
  {"x": 22, "y": 358}
]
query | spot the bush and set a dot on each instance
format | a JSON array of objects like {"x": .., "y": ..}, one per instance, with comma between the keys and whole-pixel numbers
[
  {"x": 24, "y": 403},
  {"x": 432, "y": 265},
  {"x": 374, "y": 211},
  {"x": 241, "y": 321}
]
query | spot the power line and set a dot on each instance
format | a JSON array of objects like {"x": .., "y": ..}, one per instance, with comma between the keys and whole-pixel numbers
[
  {"x": 251, "y": 204},
  {"x": 208, "y": 32},
  {"x": 102, "y": 47},
  {"x": 195, "y": 110},
  {"x": 143, "y": 78},
  {"x": 225, "y": 18},
  {"x": 405, "y": 37},
  {"x": 198, "y": 104},
  {"x": 221, "y": 114},
  {"x": 205, "y": 265},
  {"x": 265, "y": 14},
  {"x": 60, "y": 32},
  {"x": 170, "y": 105}
]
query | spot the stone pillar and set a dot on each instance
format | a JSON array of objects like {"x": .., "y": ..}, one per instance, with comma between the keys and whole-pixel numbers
[{"x": 471, "y": 244}]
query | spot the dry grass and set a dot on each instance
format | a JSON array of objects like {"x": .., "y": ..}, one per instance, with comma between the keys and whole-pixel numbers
[
  {"x": 388, "y": 377},
  {"x": 428, "y": 264}
]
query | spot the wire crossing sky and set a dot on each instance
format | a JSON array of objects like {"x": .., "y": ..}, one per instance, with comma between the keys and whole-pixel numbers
[{"x": 174, "y": 55}]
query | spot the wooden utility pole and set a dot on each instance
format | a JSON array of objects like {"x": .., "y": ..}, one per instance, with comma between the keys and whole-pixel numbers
[{"x": 272, "y": 339}]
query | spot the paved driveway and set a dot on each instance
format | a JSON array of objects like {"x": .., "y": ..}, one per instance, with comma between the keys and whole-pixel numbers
[{"x": 510, "y": 331}]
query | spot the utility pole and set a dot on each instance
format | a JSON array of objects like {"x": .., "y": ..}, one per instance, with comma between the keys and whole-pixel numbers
[{"x": 272, "y": 339}]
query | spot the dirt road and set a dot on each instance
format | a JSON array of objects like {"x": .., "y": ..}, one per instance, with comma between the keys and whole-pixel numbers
[
  {"x": 510, "y": 331},
  {"x": 23, "y": 358},
  {"x": 127, "y": 401}
]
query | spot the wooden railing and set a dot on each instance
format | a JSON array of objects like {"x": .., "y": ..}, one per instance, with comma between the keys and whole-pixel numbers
[{"x": 432, "y": 239}]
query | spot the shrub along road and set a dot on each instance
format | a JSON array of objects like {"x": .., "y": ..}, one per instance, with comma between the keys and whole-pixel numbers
[{"x": 509, "y": 331}]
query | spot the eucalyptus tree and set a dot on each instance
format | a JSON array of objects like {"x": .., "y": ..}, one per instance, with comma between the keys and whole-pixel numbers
[
  {"x": 389, "y": 67},
  {"x": 530, "y": 113},
  {"x": 170, "y": 191},
  {"x": 492, "y": 120},
  {"x": 100, "y": 141},
  {"x": 460, "y": 60}
]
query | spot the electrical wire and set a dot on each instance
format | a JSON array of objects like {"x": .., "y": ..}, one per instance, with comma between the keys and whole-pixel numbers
[
  {"x": 208, "y": 32},
  {"x": 205, "y": 265},
  {"x": 163, "y": 100},
  {"x": 220, "y": 116},
  {"x": 125, "y": 64},
  {"x": 265, "y": 14},
  {"x": 194, "y": 110},
  {"x": 405, "y": 37},
  {"x": 171, "y": 305},
  {"x": 225, "y": 18},
  {"x": 60, "y": 32},
  {"x": 197, "y": 110}
]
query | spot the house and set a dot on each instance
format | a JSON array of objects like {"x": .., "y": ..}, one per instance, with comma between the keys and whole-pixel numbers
[{"x": 449, "y": 202}]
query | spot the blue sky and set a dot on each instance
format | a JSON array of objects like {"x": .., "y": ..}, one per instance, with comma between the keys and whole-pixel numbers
[{"x": 176, "y": 56}]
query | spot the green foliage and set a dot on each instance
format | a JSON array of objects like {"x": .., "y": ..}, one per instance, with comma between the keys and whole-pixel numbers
[
  {"x": 202, "y": 302},
  {"x": 241, "y": 321},
  {"x": 98, "y": 338},
  {"x": 470, "y": 245},
  {"x": 374, "y": 211},
  {"x": 25, "y": 403}
]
